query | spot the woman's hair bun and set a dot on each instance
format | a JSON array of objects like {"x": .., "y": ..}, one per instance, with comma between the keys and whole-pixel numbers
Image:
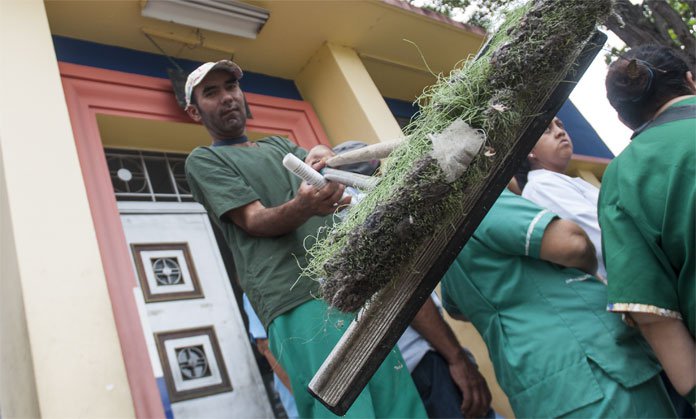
[
  {"x": 644, "y": 79},
  {"x": 630, "y": 80}
]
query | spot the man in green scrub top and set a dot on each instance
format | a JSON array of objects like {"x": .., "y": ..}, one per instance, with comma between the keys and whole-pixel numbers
[
  {"x": 266, "y": 215},
  {"x": 525, "y": 281}
]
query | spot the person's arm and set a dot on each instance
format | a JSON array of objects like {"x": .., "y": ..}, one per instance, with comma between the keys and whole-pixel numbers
[
  {"x": 476, "y": 397},
  {"x": 258, "y": 220},
  {"x": 565, "y": 243},
  {"x": 262, "y": 346},
  {"x": 674, "y": 347},
  {"x": 449, "y": 306},
  {"x": 570, "y": 199},
  {"x": 514, "y": 187},
  {"x": 458, "y": 316}
]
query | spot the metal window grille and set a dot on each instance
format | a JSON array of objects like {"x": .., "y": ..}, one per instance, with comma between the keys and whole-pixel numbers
[{"x": 148, "y": 176}]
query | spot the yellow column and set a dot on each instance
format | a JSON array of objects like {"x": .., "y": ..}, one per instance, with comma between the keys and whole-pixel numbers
[
  {"x": 589, "y": 176},
  {"x": 345, "y": 98},
  {"x": 59, "y": 351}
]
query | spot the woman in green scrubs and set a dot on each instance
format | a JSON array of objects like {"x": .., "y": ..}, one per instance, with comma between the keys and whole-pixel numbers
[
  {"x": 524, "y": 280},
  {"x": 646, "y": 207}
]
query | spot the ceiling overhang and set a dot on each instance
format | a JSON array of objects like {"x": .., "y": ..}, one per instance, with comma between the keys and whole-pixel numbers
[{"x": 400, "y": 45}]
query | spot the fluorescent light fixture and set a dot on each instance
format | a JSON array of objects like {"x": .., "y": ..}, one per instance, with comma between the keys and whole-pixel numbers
[{"x": 226, "y": 16}]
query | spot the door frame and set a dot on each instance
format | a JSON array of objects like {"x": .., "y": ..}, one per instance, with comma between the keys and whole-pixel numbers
[{"x": 91, "y": 91}]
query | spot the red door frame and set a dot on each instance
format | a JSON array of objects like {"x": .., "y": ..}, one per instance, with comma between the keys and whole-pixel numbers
[{"x": 90, "y": 91}]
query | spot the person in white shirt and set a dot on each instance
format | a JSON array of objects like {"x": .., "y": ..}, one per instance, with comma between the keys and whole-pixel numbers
[
  {"x": 544, "y": 182},
  {"x": 446, "y": 374}
]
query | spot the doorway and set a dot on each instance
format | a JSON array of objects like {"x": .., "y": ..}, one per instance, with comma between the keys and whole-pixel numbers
[{"x": 144, "y": 271}]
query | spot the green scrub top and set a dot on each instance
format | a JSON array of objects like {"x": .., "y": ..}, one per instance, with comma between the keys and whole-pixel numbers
[
  {"x": 269, "y": 268},
  {"x": 647, "y": 216},
  {"x": 543, "y": 324}
]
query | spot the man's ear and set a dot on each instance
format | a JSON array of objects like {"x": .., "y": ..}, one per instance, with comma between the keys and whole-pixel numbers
[
  {"x": 192, "y": 112},
  {"x": 247, "y": 109}
]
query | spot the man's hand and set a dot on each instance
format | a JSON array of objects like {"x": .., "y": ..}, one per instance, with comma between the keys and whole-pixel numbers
[
  {"x": 476, "y": 397},
  {"x": 318, "y": 155},
  {"x": 258, "y": 220},
  {"x": 322, "y": 201}
]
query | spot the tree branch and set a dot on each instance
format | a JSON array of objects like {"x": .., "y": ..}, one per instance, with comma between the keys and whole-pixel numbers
[
  {"x": 661, "y": 23},
  {"x": 665, "y": 15},
  {"x": 636, "y": 29}
]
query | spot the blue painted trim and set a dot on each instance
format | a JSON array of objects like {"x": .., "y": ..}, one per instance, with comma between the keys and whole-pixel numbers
[
  {"x": 401, "y": 108},
  {"x": 586, "y": 141},
  {"x": 164, "y": 395},
  {"x": 109, "y": 57},
  {"x": 77, "y": 51}
]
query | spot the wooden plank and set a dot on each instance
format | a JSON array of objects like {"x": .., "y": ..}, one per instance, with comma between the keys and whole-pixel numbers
[{"x": 369, "y": 339}]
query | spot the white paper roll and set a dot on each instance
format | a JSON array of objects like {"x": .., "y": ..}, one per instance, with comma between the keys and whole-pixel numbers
[{"x": 303, "y": 171}]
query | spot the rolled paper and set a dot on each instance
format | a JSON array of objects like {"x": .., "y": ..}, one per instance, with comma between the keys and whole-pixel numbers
[{"x": 303, "y": 171}]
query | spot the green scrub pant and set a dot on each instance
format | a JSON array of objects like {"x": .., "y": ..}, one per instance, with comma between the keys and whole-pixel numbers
[
  {"x": 302, "y": 338},
  {"x": 646, "y": 400}
]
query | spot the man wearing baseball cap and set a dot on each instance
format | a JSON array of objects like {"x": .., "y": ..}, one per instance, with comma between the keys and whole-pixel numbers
[{"x": 268, "y": 218}]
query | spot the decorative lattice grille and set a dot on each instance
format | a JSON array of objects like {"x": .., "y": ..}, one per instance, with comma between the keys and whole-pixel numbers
[
  {"x": 192, "y": 362},
  {"x": 167, "y": 271},
  {"x": 148, "y": 176}
]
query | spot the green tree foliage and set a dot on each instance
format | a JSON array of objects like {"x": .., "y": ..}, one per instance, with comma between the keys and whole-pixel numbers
[{"x": 663, "y": 22}]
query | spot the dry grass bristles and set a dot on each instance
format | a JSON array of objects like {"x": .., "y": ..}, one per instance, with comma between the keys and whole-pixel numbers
[{"x": 497, "y": 93}]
